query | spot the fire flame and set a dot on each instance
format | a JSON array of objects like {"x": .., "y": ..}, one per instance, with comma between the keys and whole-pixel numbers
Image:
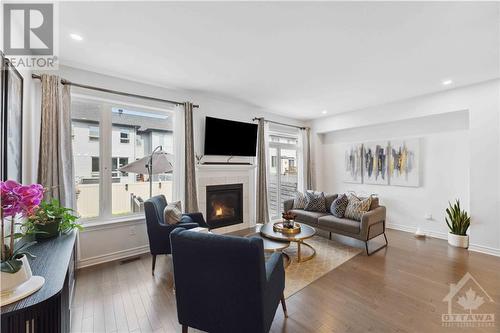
[{"x": 218, "y": 211}]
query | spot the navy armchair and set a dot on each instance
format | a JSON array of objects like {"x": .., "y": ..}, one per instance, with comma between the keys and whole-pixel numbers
[
  {"x": 159, "y": 231},
  {"x": 223, "y": 284}
]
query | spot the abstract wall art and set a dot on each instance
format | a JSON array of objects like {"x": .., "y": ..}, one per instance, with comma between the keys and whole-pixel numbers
[
  {"x": 404, "y": 162},
  {"x": 375, "y": 160},
  {"x": 353, "y": 164}
]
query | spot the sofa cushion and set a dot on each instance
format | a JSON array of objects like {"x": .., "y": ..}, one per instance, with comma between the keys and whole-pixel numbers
[
  {"x": 329, "y": 198},
  {"x": 357, "y": 207},
  {"x": 300, "y": 201},
  {"x": 339, "y": 206},
  {"x": 341, "y": 224},
  {"x": 307, "y": 216},
  {"x": 374, "y": 203},
  {"x": 173, "y": 212},
  {"x": 315, "y": 202}
]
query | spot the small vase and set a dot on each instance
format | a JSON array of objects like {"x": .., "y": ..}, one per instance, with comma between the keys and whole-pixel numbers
[
  {"x": 10, "y": 281},
  {"x": 458, "y": 240},
  {"x": 49, "y": 230}
]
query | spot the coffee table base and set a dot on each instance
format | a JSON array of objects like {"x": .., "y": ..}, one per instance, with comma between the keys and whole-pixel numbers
[{"x": 300, "y": 256}]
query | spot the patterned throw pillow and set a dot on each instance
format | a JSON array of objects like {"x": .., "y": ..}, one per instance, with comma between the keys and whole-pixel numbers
[
  {"x": 339, "y": 206},
  {"x": 299, "y": 202},
  {"x": 357, "y": 207},
  {"x": 315, "y": 202},
  {"x": 173, "y": 212}
]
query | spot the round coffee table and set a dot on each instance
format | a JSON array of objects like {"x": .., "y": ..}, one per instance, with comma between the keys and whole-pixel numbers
[
  {"x": 271, "y": 246},
  {"x": 306, "y": 232}
]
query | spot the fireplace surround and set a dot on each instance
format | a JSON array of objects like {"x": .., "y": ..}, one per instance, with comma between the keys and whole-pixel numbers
[{"x": 224, "y": 205}]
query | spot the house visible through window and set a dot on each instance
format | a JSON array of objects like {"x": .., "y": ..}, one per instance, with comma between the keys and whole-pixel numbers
[
  {"x": 94, "y": 133},
  {"x": 107, "y": 135},
  {"x": 283, "y": 176},
  {"x": 124, "y": 137}
]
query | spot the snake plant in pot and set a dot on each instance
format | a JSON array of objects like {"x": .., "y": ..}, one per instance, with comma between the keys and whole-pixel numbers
[
  {"x": 458, "y": 221},
  {"x": 17, "y": 202}
]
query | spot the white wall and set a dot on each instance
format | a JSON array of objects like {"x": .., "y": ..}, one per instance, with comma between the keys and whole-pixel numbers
[
  {"x": 460, "y": 155},
  {"x": 103, "y": 243}
]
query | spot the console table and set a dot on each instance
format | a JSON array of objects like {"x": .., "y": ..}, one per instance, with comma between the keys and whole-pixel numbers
[{"x": 48, "y": 309}]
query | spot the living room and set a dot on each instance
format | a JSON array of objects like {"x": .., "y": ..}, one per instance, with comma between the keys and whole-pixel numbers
[{"x": 233, "y": 166}]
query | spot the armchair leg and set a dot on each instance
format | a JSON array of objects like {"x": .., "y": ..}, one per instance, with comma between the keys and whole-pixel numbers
[
  {"x": 380, "y": 248},
  {"x": 153, "y": 265},
  {"x": 283, "y": 305},
  {"x": 184, "y": 329}
]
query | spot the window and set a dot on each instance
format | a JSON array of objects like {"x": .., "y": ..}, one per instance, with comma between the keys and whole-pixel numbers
[
  {"x": 94, "y": 133},
  {"x": 116, "y": 163},
  {"x": 283, "y": 177},
  {"x": 124, "y": 137},
  {"x": 107, "y": 135},
  {"x": 95, "y": 165}
]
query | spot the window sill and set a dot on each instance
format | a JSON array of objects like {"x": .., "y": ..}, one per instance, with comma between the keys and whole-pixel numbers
[{"x": 106, "y": 223}]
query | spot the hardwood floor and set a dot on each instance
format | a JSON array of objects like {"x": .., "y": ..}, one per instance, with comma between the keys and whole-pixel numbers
[{"x": 398, "y": 289}]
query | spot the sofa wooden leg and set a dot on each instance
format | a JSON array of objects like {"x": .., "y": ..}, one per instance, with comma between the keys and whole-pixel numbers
[
  {"x": 153, "y": 264},
  {"x": 380, "y": 248},
  {"x": 330, "y": 237},
  {"x": 283, "y": 305},
  {"x": 184, "y": 329}
]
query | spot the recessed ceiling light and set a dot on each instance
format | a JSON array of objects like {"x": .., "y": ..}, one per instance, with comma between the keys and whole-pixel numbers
[
  {"x": 76, "y": 37},
  {"x": 446, "y": 82},
  {"x": 324, "y": 112}
]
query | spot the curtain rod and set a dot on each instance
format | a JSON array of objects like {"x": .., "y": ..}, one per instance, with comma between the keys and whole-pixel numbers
[
  {"x": 276, "y": 122},
  {"x": 116, "y": 92}
]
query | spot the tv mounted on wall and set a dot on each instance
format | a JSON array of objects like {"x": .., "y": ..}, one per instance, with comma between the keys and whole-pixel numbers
[{"x": 230, "y": 138}]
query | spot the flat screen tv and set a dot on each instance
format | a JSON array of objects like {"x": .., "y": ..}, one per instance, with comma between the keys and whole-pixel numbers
[{"x": 230, "y": 138}]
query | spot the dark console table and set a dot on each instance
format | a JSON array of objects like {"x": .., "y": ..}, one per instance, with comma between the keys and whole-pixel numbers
[{"x": 48, "y": 309}]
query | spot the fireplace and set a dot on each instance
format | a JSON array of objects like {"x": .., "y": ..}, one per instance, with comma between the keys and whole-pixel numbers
[{"x": 224, "y": 205}]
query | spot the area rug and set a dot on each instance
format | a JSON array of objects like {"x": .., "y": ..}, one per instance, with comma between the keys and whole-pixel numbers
[{"x": 329, "y": 255}]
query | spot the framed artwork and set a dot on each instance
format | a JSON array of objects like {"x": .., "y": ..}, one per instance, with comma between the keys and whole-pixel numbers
[
  {"x": 12, "y": 122},
  {"x": 404, "y": 162},
  {"x": 2, "y": 115},
  {"x": 353, "y": 163},
  {"x": 375, "y": 160}
]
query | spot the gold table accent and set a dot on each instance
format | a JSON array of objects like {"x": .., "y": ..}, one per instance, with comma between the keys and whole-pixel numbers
[
  {"x": 280, "y": 227},
  {"x": 267, "y": 231}
]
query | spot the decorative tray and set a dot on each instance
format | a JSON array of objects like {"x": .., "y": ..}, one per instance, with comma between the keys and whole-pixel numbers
[{"x": 280, "y": 227}]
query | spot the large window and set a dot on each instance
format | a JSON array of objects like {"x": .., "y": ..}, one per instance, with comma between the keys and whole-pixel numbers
[
  {"x": 283, "y": 178},
  {"x": 107, "y": 135}
]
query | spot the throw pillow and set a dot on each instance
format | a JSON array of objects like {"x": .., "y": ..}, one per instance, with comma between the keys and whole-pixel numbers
[
  {"x": 315, "y": 202},
  {"x": 173, "y": 212},
  {"x": 300, "y": 201},
  {"x": 339, "y": 206},
  {"x": 357, "y": 207}
]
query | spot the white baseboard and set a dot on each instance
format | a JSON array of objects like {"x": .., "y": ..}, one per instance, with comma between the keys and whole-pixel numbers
[
  {"x": 472, "y": 247},
  {"x": 118, "y": 255},
  {"x": 485, "y": 249}
]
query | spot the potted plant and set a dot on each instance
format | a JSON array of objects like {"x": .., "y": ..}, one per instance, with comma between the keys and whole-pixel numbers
[
  {"x": 458, "y": 221},
  {"x": 50, "y": 218},
  {"x": 17, "y": 201}
]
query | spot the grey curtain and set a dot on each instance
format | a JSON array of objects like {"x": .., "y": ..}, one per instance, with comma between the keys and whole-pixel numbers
[
  {"x": 308, "y": 177},
  {"x": 191, "y": 197},
  {"x": 55, "y": 168},
  {"x": 262, "y": 213}
]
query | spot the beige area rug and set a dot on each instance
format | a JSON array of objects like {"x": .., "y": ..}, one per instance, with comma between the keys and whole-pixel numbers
[{"x": 329, "y": 255}]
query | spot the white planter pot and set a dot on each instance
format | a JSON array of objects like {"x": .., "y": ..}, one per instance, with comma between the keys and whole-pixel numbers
[
  {"x": 458, "y": 241},
  {"x": 10, "y": 281}
]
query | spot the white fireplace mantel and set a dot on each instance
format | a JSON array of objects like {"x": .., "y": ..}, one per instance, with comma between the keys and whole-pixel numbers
[{"x": 221, "y": 174}]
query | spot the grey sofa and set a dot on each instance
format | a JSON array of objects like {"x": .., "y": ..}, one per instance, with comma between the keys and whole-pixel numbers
[{"x": 372, "y": 223}]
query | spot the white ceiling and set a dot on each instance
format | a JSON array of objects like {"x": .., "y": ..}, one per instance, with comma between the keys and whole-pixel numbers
[{"x": 294, "y": 58}]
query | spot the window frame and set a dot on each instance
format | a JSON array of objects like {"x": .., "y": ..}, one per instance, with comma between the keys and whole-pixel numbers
[{"x": 105, "y": 140}]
